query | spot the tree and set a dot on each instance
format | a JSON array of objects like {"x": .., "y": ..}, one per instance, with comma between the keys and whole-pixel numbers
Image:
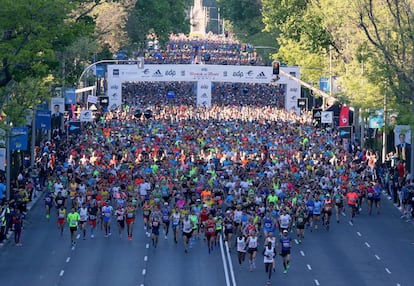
[{"x": 161, "y": 17}]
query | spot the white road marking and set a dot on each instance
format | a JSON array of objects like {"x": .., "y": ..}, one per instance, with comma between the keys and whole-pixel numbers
[
  {"x": 302, "y": 253},
  {"x": 309, "y": 267},
  {"x": 377, "y": 257},
  {"x": 78, "y": 236},
  {"x": 388, "y": 271},
  {"x": 351, "y": 223},
  {"x": 147, "y": 246},
  {"x": 367, "y": 244},
  {"x": 61, "y": 272},
  {"x": 230, "y": 264},
  {"x": 296, "y": 241},
  {"x": 145, "y": 258},
  {"x": 67, "y": 259},
  {"x": 144, "y": 271},
  {"x": 316, "y": 282},
  {"x": 398, "y": 284},
  {"x": 359, "y": 234}
]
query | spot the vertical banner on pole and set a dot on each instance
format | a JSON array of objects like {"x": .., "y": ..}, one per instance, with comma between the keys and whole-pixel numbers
[
  {"x": 18, "y": 138},
  {"x": 43, "y": 118},
  {"x": 3, "y": 159},
  {"x": 204, "y": 93}
]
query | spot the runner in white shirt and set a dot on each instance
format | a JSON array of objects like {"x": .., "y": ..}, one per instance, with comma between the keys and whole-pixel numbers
[
  {"x": 83, "y": 213},
  {"x": 269, "y": 254}
]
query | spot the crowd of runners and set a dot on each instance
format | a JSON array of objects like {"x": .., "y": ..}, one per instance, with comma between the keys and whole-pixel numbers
[{"x": 254, "y": 175}]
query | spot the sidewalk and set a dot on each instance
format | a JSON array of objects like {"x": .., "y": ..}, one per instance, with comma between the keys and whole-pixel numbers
[{"x": 30, "y": 205}]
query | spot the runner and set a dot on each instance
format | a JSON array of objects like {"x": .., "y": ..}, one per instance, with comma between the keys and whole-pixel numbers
[
  {"x": 241, "y": 249},
  {"x": 317, "y": 210},
  {"x": 93, "y": 215},
  {"x": 61, "y": 218},
  {"x": 269, "y": 254},
  {"x": 155, "y": 229},
  {"x": 286, "y": 245},
  {"x": 73, "y": 219},
  {"x": 252, "y": 245},
  {"x": 165, "y": 213},
  {"x": 48, "y": 203},
  {"x": 218, "y": 226},
  {"x": 210, "y": 232},
  {"x": 146, "y": 212},
  {"x": 83, "y": 212},
  {"x": 352, "y": 198},
  {"x": 300, "y": 218},
  {"x": 272, "y": 240},
  {"x": 187, "y": 227},
  {"x": 107, "y": 216},
  {"x": 175, "y": 219},
  {"x": 130, "y": 218},
  {"x": 327, "y": 210},
  {"x": 120, "y": 219},
  {"x": 339, "y": 204},
  {"x": 60, "y": 201},
  {"x": 228, "y": 229}
]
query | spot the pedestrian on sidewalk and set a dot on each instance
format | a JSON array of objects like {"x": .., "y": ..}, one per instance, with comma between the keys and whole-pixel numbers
[{"x": 18, "y": 226}]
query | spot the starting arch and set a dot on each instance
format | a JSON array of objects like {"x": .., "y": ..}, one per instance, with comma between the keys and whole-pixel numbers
[{"x": 204, "y": 75}]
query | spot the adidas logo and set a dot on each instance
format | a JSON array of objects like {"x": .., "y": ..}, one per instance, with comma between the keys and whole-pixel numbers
[
  {"x": 261, "y": 75},
  {"x": 157, "y": 73}
]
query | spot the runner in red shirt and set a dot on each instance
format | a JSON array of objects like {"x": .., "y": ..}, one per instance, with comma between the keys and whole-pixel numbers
[{"x": 210, "y": 231}]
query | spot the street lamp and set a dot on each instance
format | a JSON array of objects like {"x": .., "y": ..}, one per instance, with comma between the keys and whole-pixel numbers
[{"x": 8, "y": 162}]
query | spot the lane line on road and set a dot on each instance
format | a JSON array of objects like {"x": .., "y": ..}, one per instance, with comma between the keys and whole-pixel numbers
[
  {"x": 223, "y": 258},
  {"x": 350, "y": 223},
  {"x": 144, "y": 271},
  {"x": 388, "y": 271},
  {"x": 61, "y": 272},
  {"x": 302, "y": 253},
  {"x": 367, "y": 244},
  {"x": 296, "y": 241},
  {"x": 317, "y": 282},
  {"x": 147, "y": 246},
  {"x": 233, "y": 278},
  {"x": 78, "y": 236},
  {"x": 68, "y": 259},
  {"x": 359, "y": 234},
  {"x": 309, "y": 267},
  {"x": 377, "y": 257},
  {"x": 145, "y": 258}
]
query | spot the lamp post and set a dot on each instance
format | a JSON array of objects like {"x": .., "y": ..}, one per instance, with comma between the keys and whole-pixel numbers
[{"x": 8, "y": 162}]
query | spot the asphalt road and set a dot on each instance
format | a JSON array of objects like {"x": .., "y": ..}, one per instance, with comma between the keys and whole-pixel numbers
[{"x": 375, "y": 250}]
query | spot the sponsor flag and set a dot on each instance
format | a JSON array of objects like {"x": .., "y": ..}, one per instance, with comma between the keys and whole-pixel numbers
[
  {"x": 344, "y": 116},
  {"x": 18, "y": 138},
  {"x": 86, "y": 116},
  {"x": 43, "y": 119}
]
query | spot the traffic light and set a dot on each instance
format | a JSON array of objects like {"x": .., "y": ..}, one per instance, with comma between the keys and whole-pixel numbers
[{"x": 275, "y": 65}]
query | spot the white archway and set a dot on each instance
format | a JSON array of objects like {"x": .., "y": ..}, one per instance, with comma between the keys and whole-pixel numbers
[{"x": 204, "y": 75}]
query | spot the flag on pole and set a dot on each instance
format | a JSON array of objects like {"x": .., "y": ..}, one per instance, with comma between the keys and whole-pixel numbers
[{"x": 344, "y": 116}]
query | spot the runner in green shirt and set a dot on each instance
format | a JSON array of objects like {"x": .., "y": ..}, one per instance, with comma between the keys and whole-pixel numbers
[{"x": 73, "y": 220}]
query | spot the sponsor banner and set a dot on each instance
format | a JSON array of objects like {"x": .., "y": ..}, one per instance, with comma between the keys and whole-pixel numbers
[
  {"x": 74, "y": 127},
  {"x": 70, "y": 96},
  {"x": 223, "y": 73},
  {"x": 43, "y": 119},
  {"x": 204, "y": 93},
  {"x": 327, "y": 117},
  {"x": 18, "y": 138},
  {"x": 344, "y": 116},
  {"x": 114, "y": 92},
  {"x": 92, "y": 99},
  {"x": 100, "y": 71},
  {"x": 86, "y": 116}
]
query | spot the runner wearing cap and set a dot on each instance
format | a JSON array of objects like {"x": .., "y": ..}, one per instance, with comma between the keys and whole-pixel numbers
[
  {"x": 285, "y": 246},
  {"x": 165, "y": 215}
]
